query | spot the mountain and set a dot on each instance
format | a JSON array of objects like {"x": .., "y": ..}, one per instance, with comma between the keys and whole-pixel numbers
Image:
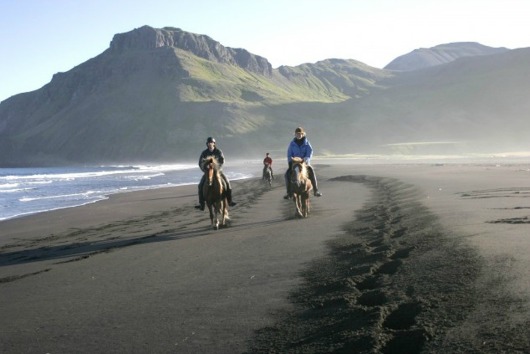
[
  {"x": 440, "y": 54},
  {"x": 472, "y": 104},
  {"x": 155, "y": 95}
]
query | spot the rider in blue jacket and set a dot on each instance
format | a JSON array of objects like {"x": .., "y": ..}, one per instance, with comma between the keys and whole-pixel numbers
[{"x": 300, "y": 147}]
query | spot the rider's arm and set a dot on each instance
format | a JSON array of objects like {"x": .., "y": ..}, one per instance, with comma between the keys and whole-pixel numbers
[
  {"x": 200, "y": 160},
  {"x": 220, "y": 157},
  {"x": 290, "y": 153},
  {"x": 308, "y": 152}
]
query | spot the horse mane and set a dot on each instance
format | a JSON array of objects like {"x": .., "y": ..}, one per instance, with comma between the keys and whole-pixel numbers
[
  {"x": 210, "y": 159},
  {"x": 303, "y": 167}
]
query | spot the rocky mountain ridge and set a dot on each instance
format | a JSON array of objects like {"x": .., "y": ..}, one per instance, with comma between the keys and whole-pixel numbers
[
  {"x": 146, "y": 37},
  {"x": 155, "y": 94}
]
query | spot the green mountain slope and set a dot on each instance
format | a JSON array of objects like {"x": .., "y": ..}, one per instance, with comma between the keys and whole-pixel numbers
[{"x": 155, "y": 94}]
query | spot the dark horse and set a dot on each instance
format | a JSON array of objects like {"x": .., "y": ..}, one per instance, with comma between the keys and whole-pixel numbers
[
  {"x": 267, "y": 174},
  {"x": 300, "y": 186},
  {"x": 214, "y": 192}
]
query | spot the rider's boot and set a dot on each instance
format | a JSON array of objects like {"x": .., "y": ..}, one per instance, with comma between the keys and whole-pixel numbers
[
  {"x": 200, "y": 206},
  {"x": 201, "y": 203},
  {"x": 229, "y": 198},
  {"x": 313, "y": 179},
  {"x": 201, "y": 197},
  {"x": 288, "y": 195}
]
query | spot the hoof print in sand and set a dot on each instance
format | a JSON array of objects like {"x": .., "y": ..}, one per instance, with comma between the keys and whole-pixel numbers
[{"x": 393, "y": 253}]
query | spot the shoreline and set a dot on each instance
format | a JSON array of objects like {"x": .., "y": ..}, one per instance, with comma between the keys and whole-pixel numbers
[
  {"x": 107, "y": 196},
  {"x": 427, "y": 257},
  {"x": 93, "y": 213},
  {"x": 30, "y": 191},
  {"x": 504, "y": 159}
]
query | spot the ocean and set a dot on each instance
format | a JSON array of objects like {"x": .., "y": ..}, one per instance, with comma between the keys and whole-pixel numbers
[{"x": 26, "y": 191}]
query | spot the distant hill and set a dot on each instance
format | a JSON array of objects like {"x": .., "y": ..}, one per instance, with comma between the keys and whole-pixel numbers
[
  {"x": 441, "y": 54},
  {"x": 155, "y": 95},
  {"x": 476, "y": 103}
]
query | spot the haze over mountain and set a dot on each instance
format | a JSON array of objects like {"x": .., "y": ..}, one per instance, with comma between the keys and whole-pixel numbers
[
  {"x": 440, "y": 54},
  {"x": 155, "y": 95}
]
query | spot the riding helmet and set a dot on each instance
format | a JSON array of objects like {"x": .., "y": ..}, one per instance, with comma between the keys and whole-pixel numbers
[{"x": 210, "y": 140}]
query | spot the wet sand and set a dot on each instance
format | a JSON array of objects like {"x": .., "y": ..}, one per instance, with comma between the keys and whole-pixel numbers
[{"x": 396, "y": 258}]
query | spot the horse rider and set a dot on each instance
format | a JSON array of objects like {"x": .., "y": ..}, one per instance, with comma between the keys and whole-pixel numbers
[
  {"x": 300, "y": 147},
  {"x": 267, "y": 161},
  {"x": 212, "y": 150}
]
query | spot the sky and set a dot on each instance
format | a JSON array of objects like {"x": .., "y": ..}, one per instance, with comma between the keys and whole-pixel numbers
[{"x": 39, "y": 38}]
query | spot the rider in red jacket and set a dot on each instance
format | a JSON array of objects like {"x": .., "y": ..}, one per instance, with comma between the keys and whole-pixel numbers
[{"x": 267, "y": 161}]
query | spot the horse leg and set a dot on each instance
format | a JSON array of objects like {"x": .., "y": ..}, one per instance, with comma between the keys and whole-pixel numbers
[
  {"x": 222, "y": 212},
  {"x": 307, "y": 195},
  {"x": 218, "y": 204},
  {"x": 210, "y": 209},
  {"x": 300, "y": 200},
  {"x": 298, "y": 204},
  {"x": 305, "y": 204},
  {"x": 222, "y": 205},
  {"x": 216, "y": 223},
  {"x": 225, "y": 211}
]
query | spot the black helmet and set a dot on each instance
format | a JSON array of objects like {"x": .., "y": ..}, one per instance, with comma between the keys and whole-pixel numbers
[{"x": 210, "y": 140}]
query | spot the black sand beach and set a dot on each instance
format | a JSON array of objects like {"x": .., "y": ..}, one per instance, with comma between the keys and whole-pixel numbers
[{"x": 408, "y": 258}]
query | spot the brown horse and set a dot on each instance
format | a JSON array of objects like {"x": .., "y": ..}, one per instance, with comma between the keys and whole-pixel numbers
[
  {"x": 214, "y": 193},
  {"x": 300, "y": 186}
]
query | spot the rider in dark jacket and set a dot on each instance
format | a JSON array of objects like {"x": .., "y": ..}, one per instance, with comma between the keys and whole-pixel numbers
[{"x": 212, "y": 150}]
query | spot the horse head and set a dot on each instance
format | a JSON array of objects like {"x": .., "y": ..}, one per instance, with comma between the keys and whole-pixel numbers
[
  {"x": 298, "y": 171},
  {"x": 210, "y": 166}
]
